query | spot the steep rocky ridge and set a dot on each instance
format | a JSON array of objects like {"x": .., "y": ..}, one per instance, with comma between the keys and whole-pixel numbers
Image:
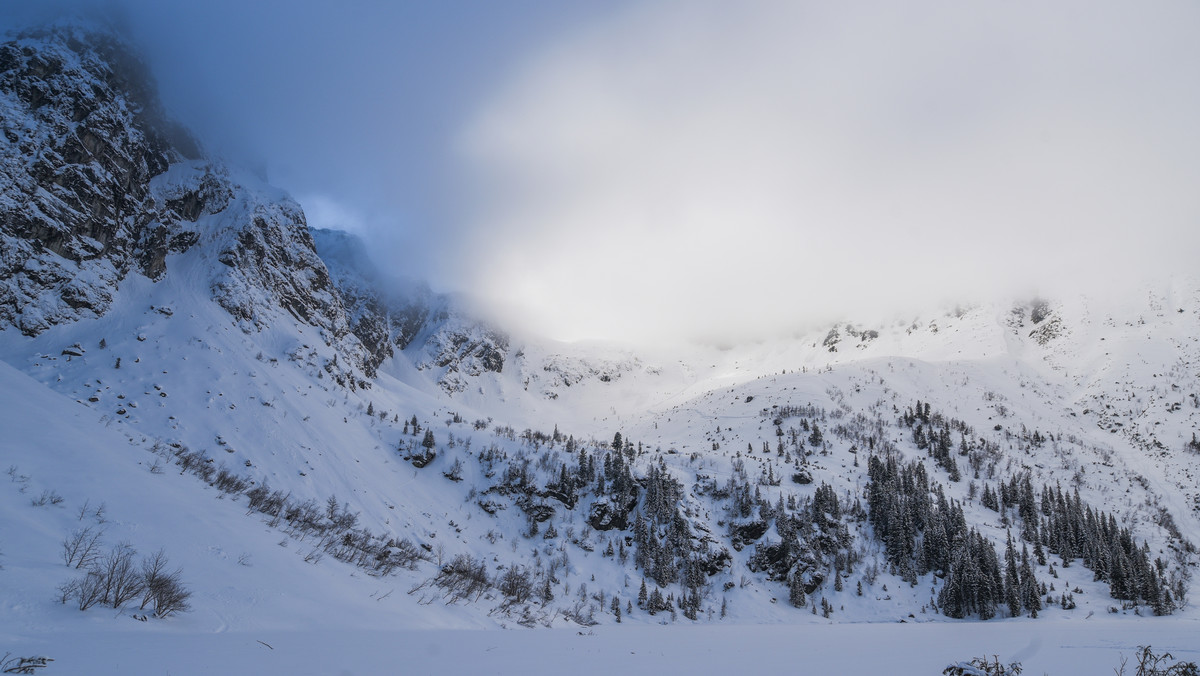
[
  {"x": 82, "y": 137},
  {"x": 390, "y": 314},
  {"x": 97, "y": 182}
]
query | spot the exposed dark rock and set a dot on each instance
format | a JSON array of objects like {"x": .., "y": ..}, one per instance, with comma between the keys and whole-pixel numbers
[
  {"x": 1039, "y": 309},
  {"x": 490, "y": 506},
  {"x": 388, "y": 314},
  {"x": 831, "y": 339},
  {"x": 747, "y": 533},
  {"x": 771, "y": 558},
  {"x": 717, "y": 562},
  {"x": 802, "y": 477},
  {"x": 83, "y": 135},
  {"x": 539, "y": 512},
  {"x": 610, "y": 514},
  {"x": 568, "y": 500}
]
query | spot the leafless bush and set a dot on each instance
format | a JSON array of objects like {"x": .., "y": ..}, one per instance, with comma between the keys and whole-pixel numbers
[
  {"x": 23, "y": 665},
  {"x": 229, "y": 482},
  {"x": 122, "y": 580},
  {"x": 205, "y": 471},
  {"x": 163, "y": 589},
  {"x": 340, "y": 517},
  {"x": 172, "y": 597},
  {"x": 303, "y": 516},
  {"x": 87, "y": 590},
  {"x": 464, "y": 578},
  {"x": 582, "y": 613},
  {"x": 980, "y": 666},
  {"x": 81, "y": 549},
  {"x": 47, "y": 497},
  {"x": 455, "y": 471},
  {"x": 516, "y": 584},
  {"x": 115, "y": 581},
  {"x": 188, "y": 460},
  {"x": 67, "y": 590},
  {"x": 402, "y": 554},
  {"x": 269, "y": 502},
  {"x": 1151, "y": 664}
]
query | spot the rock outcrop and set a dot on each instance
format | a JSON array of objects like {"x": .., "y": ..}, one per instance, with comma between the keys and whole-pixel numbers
[
  {"x": 82, "y": 135},
  {"x": 97, "y": 183},
  {"x": 390, "y": 314}
]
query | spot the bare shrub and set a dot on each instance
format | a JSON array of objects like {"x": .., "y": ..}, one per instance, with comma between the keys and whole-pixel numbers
[
  {"x": 229, "y": 482},
  {"x": 263, "y": 499},
  {"x": 47, "y": 497},
  {"x": 172, "y": 597},
  {"x": 23, "y": 665},
  {"x": 122, "y": 580},
  {"x": 88, "y": 590},
  {"x": 516, "y": 584},
  {"x": 1151, "y": 664},
  {"x": 464, "y": 578},
  {"x": 980, "y": 666},
  {"x": 81, "y": 548},
  {"x": 163, "y": 589},
  {"x": 67, "y": 590},
  {"x": 115, "y": 581},
  {"x": 407, "y": 554}
]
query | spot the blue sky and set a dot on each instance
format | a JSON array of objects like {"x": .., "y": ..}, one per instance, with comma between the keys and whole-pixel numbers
[{"x": 667, "y": 170}]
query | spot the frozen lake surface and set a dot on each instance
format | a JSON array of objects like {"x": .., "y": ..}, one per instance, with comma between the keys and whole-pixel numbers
[{"x": 1056, "y": 647}]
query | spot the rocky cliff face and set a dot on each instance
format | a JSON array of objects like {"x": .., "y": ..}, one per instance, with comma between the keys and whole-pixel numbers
[
  {"x": 97, "y": 183},
  {"x": 385, "y": 313},
  {"x": 459, "y": 348},
  {"x": 390, "y": 314},
  {"x": 81, "y": 137}
]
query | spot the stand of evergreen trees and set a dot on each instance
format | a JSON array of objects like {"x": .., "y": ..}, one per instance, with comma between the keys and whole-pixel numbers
[
  {"x": 1062, "y": 523},
  {"x": 934, "y": 433},
  {"x": 923, "y": 532}
]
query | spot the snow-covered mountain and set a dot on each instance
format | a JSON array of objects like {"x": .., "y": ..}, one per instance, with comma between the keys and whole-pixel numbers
[{"x": 188, "y": 366}]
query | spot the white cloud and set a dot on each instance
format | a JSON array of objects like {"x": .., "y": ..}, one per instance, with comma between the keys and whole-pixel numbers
[{"x": 715, "y": 169}]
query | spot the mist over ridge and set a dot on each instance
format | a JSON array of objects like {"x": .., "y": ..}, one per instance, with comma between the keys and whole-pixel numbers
[{"x": 662, "y": 172}]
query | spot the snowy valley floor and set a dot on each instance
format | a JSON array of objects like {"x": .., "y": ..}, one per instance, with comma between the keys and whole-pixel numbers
[{"x": 1058, "y": 647}]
